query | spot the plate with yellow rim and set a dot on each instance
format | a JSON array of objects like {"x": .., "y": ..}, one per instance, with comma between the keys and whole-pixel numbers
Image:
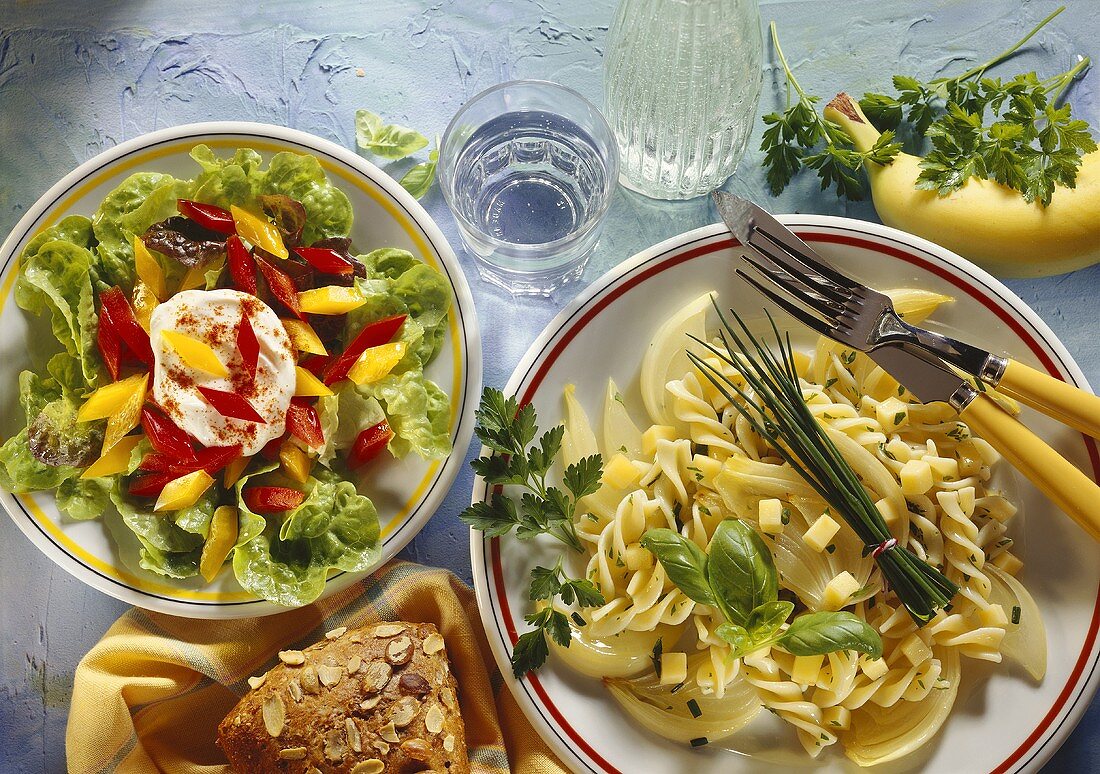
[{"x": 103, "y": 553}]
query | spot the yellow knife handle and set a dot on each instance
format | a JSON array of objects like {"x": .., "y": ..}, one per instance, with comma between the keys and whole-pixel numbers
[
  {"x": 1062, "y": 401},
  {"x": 1051, "y": 473}
]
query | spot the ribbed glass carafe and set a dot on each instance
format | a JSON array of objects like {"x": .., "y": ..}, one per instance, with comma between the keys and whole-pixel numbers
[{"x": 681, "y": 81}]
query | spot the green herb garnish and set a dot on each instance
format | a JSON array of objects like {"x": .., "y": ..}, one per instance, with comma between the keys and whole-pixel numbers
[
  {"x": 693, "y": 708},
  {"x": 739, "y": 579},
  {"x": 777, "y": 411},
  {"x": 1016, "y": 614},
  {"x": 1011, "y": 131},
  {"x": 516, "y": 459}
]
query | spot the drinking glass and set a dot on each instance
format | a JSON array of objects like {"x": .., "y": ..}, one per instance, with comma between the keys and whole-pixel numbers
[{"x": 528, "y": 169}]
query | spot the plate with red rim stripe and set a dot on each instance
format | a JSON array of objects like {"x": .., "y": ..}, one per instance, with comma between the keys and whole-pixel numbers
[{"x": 1003, "y": 721}]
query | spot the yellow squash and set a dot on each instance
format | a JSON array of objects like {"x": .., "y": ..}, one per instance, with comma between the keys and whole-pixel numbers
[
  {"x": 259, "y": 232},
  {"x": 108, "y": 399},
  {"x": 127, "y": 416},
  {"x": 331, "y": 299},
  {"x": 376, "y": 362},
  {"x": 116, "y": 460},
  {"x": 195, "y": 353},
  {"x": 220, "y": 541},
  {"x": 184, "y": 491},
  {"x": 307, "y": 385},
  {"x": 303, "y": 338},
  {"x": 984, "y": 221}
]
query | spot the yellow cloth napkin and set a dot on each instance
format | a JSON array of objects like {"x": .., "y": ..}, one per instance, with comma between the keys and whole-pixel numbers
[{"x": 149, "y": 696}]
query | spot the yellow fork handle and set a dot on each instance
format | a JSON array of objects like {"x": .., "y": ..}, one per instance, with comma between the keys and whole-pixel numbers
[
  {"x": 1068, "y": 404},
  {"x": 1051, "y": 473}
]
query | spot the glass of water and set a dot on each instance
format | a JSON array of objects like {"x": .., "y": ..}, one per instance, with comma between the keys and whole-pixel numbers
[{"x": 528, "y": 169}]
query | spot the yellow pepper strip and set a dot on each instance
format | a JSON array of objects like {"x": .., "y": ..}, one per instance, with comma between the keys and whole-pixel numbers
[
  {"x": 184, "y": 491},
  {"x": 145, "y": 301},
  {"x": 295, "y": 462},
  {"x": 332, "y": 299},
  {"x": 307, "y": 385},
  {"x": 116, "y": 460},
  {"x": 219, "y": 541},
  {"x": 376, "y": 363},
  {"x": 303, "y": 338},
  {"x": 149, "y": 270},
  {"x": 234, "y": 470},
  {"x": 108, "y": 399},
  {"x": 259, "y": 232},
  {"x": 195, "y": 353},
  {"x": 196, "y": 275},
  {"x": 127, "y": 417}
]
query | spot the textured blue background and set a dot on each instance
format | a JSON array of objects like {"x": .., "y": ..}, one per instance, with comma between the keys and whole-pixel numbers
[{"x": 77, "y": 77}]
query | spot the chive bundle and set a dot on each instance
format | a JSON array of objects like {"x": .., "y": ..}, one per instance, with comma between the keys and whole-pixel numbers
[{"x": 779, "y": 414}]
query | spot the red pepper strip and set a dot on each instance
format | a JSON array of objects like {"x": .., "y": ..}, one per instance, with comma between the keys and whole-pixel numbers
[
  {"x": 242, "y": 269},
  {"x": 214, "y": 458},
  {"x": 369, "y": 443},
  {"x": 166, "y": 436},
  {"x": 303, "y": 422},
  {"x": 272, "y": 499},
  {"x": 125, "y": 325},
  {"x": 207, "y": 216},
  {"x": 151, "y": 484},
  {"x": 248, "y": 346},
  {"x": 325, "y": 260},
  {"x": 155, "y": 461},
  {"x": 230, "y": 404},
  {"x": 282, "y": 286},
  {"x": 270, "y": 452},
  {"x": 375, "y": 334},
  {"x": 315, "y": 364},
  {"x": 110, "y": 347}
]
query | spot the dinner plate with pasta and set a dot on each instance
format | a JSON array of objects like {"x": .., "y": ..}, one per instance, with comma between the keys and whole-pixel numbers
[{"x": 687, "y": 599}]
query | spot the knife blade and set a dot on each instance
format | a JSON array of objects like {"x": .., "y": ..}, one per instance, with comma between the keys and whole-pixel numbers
[{"x": 925, "y": 376}]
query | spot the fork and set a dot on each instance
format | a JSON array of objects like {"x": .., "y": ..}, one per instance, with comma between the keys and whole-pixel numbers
[{"x": 798, "y": 280}]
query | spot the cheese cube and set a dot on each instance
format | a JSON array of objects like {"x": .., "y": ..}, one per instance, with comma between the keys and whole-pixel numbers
[
  {"x": 806, "y": 669},
  {"x": 838, "y": 591},
  {"x": 874, "y": 668},
  {"x": 705, "y": 469},
  {"x": 821, "y": 533},
  {"x": 656, "y": 433},
  {"x": 915, "y": 649},
  {"x": 1008, "y": 562},
  {"x": 837, "y": 717},
  {"x": 620, "y": 473},
  {"x": 674, "y": 668},
  {"x": 892, "y": 414},
  {"x": 638, "y": 558},
  {"x": 889, "y": 511},
  {"x": 994, "y": 615},
  {"x": 943, "y": 468},
  {"x": 916, "y": 477},
  {"x": 899, "y": 450},
  {"x": 771, "y": 516}
]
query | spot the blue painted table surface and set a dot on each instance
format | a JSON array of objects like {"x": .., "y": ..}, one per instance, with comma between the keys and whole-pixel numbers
[{"x": 79, "y": 77}]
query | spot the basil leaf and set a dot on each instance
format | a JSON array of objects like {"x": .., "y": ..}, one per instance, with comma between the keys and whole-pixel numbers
[
  {"x": 390, "y": 141},
  {"x": 740, "y": 570},
  {"x": 738, "y": 638},
  {"x": 815, "y": 634},
  {"x": 684, "y": 562},
  {"x": 765, "y": 620},
  {"x": 419, "y": 179}
]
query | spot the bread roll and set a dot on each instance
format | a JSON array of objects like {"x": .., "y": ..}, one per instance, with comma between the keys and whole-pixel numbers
[{"x": 365, "y": 701}]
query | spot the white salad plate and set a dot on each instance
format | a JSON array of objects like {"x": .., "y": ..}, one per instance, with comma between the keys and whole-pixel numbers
[
  {"x": 1003, "y": 721},
  {"x": 102, "y": 552}
]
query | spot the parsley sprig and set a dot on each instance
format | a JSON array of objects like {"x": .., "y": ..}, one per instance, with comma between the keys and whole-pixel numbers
[
  {"x": 800, "y": 137},
  {"x": 517, "y": 459},
  {"x": 1013, "y": 131}
]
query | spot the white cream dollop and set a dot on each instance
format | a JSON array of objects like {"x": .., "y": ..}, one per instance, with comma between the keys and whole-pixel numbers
[{"x": 212, "y": 317}]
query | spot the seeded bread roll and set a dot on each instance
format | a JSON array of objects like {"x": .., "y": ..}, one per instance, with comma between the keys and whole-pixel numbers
[{"x": 366, "y": 701}]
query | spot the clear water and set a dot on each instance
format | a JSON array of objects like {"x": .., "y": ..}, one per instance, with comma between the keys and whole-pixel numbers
[{"x": 529, "y": 177}]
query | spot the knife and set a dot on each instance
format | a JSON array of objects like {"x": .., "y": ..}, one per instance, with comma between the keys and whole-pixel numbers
[{"x": 930, "y": 380}]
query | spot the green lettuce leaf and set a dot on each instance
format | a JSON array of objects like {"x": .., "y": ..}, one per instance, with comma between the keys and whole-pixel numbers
[
  {"x": 300, "y": 176},
  {"x": 57, "y": 276},
  {"x": 227, "y": 181},
  {"x": 292, "y": 572},
  {"x": 142, "y": 199},
  {"x": 390, "y": 141},
  {"x": 418, "y": 412},
  {"x": 84, "y": 499},
  {"x": 250, "y": 524},
  {"x": 166, "y": 548}
]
